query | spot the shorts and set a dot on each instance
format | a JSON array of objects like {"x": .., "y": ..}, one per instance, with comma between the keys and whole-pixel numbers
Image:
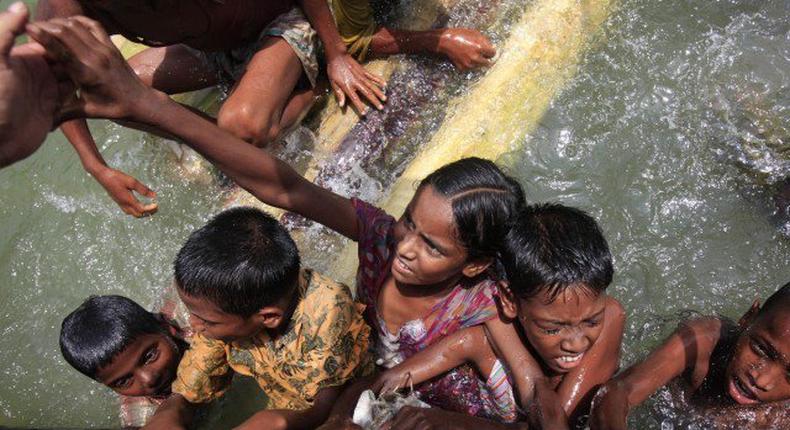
[{"x": 292, "y": 26}]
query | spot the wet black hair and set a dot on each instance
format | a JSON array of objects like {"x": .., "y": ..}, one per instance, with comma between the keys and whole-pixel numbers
[
  {"x": 101, "y": 328},
  {"x": 780, "y": 300},
  {"x": 483, "y": 199},
  {"x": 242, "y": 260},
  {"x": 553, "y": 247}
]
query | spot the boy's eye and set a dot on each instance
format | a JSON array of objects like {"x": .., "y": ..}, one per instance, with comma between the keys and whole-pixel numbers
[
  {"x": 551, "y": 330},
  {"x": 758, "y": 349},
  {"x": 123, "y": 383},
  {"x": 151, "y": 355},
  {"x": 592, "y": 323}
]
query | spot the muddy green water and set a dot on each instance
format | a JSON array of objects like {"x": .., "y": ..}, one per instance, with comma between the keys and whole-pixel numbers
[{"x": 661, "y": 136}]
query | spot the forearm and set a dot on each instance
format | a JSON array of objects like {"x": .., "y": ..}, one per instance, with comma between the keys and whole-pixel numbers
[
  {"x": 523, "y": 367},
  {"x": 320, "y": 17},
  {"x": 78, "y": 134},
  {"x": 389, "y": 41}
]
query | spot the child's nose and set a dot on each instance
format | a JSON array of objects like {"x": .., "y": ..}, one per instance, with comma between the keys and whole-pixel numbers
[
  {"x": 575, "y": 343},
  {"x": 764, "y": 377},
  {"x": 407, "y": 245},
  {"x": 148, "y": 378}
]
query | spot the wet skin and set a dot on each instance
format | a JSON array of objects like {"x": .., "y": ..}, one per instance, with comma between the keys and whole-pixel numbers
[
  {"x": 759, "y": 371},
  {"x": 428, "y": 261},
  {"x": 202, "y": 24},
  {"x": 146, "y": 367},
  {"x": 562, "y": 330},
  {"x": 209, "y": 320}
]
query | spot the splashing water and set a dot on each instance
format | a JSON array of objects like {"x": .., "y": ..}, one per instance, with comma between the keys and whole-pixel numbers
[{"x": 673, "y": 134}]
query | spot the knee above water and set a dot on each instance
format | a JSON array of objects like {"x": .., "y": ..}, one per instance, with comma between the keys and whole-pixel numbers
[{"x": 244, "y": 125}]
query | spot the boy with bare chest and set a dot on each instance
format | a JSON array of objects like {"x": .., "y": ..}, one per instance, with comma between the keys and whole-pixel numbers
[{"x": 266, "y": 53}]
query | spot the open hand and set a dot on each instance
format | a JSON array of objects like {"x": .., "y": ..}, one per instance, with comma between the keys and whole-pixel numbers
[
  {"x": 80, "y": 48},
  {"x": 121, "y": 187},
  {"x": 28, "y": 90},
  {"x": 466, "y": 48},
  {"x": 348, "y": 78}
]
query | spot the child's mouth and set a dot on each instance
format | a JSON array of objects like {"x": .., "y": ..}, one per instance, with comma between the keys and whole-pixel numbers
[
  {"x": 569, "y": 361},
  {"x": 741, "y": 393},
  {"x": 400, "y": 266}
]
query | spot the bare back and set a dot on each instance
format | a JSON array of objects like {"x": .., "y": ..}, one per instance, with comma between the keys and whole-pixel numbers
[{"x": 208, "y": 25}]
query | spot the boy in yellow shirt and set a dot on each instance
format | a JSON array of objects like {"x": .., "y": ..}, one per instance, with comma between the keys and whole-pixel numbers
[{"x": 255, "y": 312}]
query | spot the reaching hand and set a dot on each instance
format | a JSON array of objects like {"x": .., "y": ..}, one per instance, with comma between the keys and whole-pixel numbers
[
  {"x": 28, "y": 90},
  {"x": 610, "y": 408},
  {"x": 348, "y": 78},
  {"x": 121, "y": 188},
  {"x": 79, "y": 47},
  {"x": 466, "y": 49}
]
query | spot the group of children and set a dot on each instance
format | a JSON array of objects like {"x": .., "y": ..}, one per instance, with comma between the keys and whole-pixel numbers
[
  {"x": 494, "y": 309},
  {"x": 488, "y": 306}
]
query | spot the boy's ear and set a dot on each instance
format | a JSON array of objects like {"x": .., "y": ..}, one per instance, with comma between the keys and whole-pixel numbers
[
  {"x": 750, "y": 315},
  {"x": 508, "y": 300},
  {"x": 476, "y": 267},
  {"x": 270, "y": 317}
]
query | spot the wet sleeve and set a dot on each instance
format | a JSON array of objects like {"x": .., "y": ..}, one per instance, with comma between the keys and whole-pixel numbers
[
  {"x": 336, "y": 341},
  {"x": 203, "y": 373},
  {"x": 480, "y": 304},
  {"x": 355, "y": 23},
  {"x": 373, "y": 243}
]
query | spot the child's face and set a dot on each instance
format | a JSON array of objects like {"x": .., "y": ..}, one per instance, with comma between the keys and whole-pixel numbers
[
  {"x": 563, "y": 330},
  {"x": 759, "y": 370},
  {"x": 427, "y": 251},
  {"x": 209, "y": 320},
  {"x": 147, "y": 367}
]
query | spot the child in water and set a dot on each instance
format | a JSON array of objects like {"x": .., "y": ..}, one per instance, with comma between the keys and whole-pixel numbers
[
  {"x": 739, "y": 374},
  {"x": 425, "y": 276},
  {"x": 558, "y": 267},
  {"x": 268, "y": 52},
  {"x": 256, "y": 312},
  {"x": 116, "y": 342}
]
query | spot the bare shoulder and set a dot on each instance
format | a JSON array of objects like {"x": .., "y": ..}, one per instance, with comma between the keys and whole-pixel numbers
[
  {"x": 48, "y": 9},
  {"x": 705, "y": 331}
]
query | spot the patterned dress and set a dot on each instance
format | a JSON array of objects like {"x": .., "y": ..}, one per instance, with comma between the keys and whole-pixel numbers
[
  {"x": 325, "y": 345},
  {"x": 470, "y": 303}
]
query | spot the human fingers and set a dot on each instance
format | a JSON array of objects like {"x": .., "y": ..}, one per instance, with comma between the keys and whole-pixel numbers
[
  {"x": 43, "y": 33},
  {"x": 366, "y": 89},
  {"x": 356, "y": 102},
  {"x": 142, "y": 189},
  {"x": 377, "y": 79},
  {"x": 488, "y": 50},
  {"x": 340, "y": 96},
  {"x": 96, "y": 30},
  {"x": 12, "y": 24}
]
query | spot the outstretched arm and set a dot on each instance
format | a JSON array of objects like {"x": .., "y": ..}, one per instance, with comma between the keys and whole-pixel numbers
[
  {"x": 110, "y": 89},
  {"x": 119, "y": 186},
  {"x": 689, "y": 348},
  {"x": 467, "y": 345}
]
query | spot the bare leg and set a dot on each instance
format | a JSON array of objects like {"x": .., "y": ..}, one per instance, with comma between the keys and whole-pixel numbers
[
  {"x": 263, "y": 103},
  {"x": 173, "y": 69},
  {"x": 465, "y": 48}
]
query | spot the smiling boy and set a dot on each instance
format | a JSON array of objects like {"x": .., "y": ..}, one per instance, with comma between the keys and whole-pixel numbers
[{"x": 737, "y": 374}]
